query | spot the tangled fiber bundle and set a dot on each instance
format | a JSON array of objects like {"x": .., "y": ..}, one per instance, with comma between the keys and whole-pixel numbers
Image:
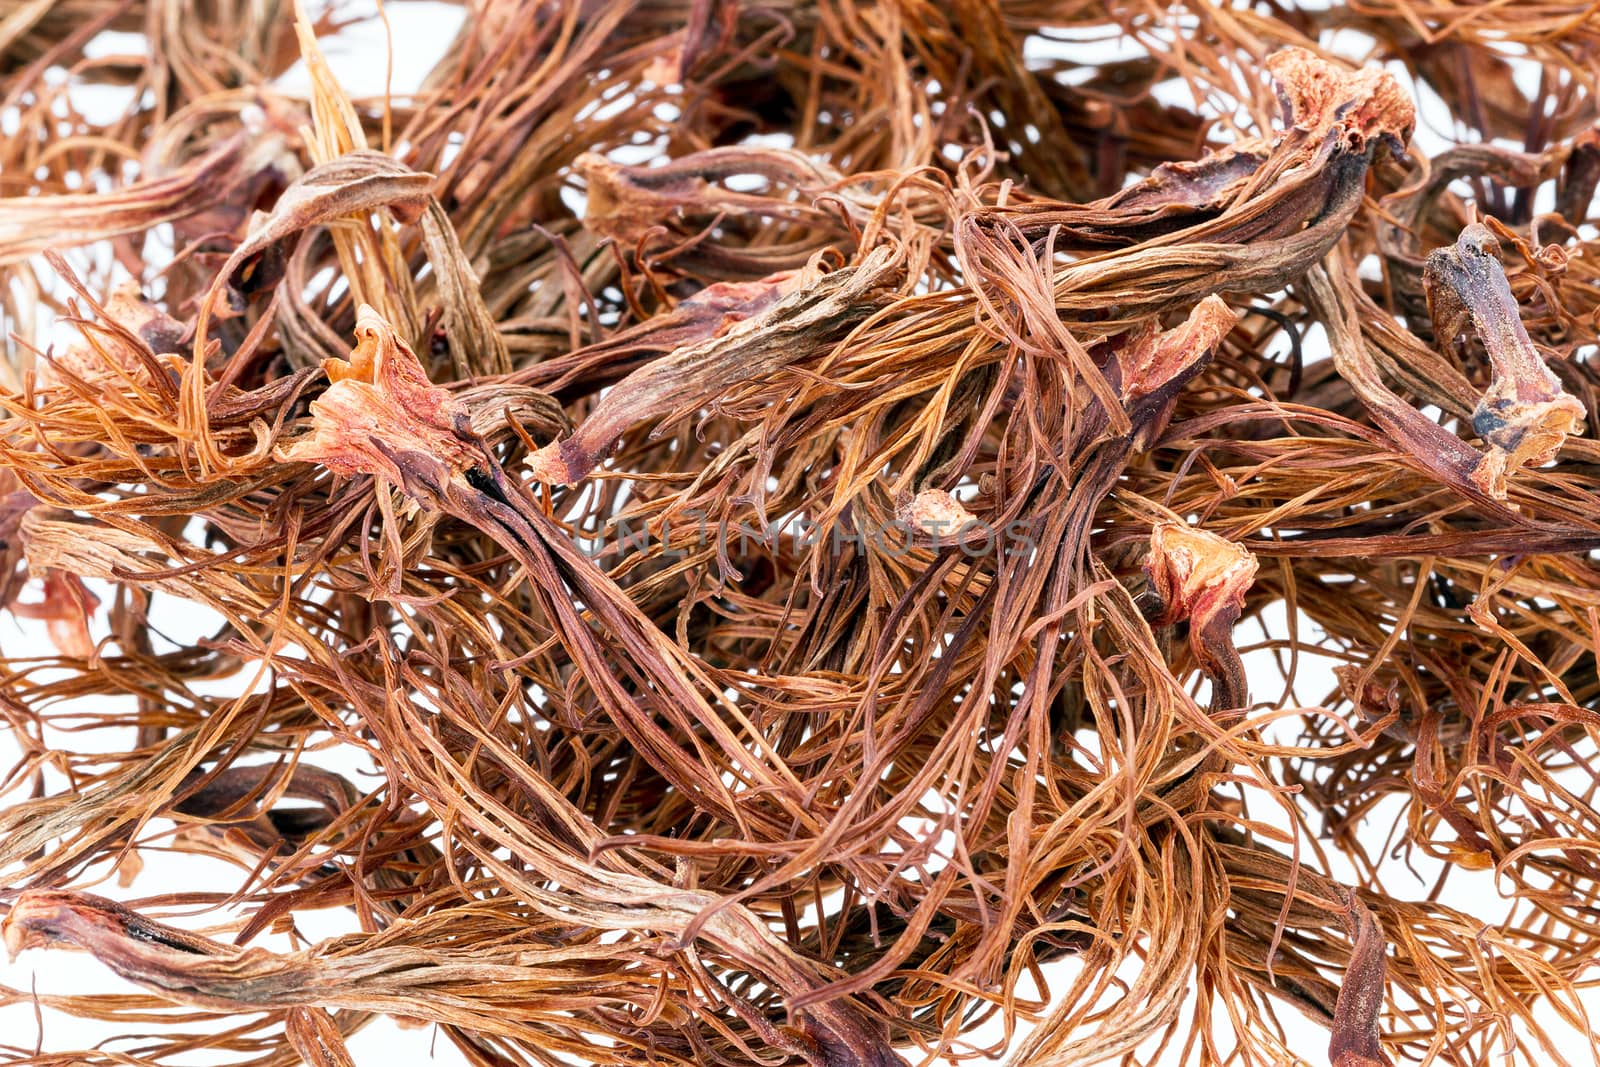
[{"x": 776, "y": 533}]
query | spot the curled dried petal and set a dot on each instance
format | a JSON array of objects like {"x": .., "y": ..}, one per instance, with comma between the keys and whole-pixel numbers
[
  {"x": 43, "y": 917},
  {"x": 626, "y": 203},
  {"x": 805, "y": 323},
  {"x": 1153, "y": 361}
]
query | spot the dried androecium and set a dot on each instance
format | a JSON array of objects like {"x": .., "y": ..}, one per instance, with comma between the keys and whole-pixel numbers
[{"x": 832, "y": 534}]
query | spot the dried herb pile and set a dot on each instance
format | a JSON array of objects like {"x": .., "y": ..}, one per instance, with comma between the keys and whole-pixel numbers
[{"x": 770, "y": 533}]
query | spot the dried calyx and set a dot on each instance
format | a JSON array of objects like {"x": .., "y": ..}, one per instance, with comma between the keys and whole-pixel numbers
[
  {"x": 1199, "y": 577},
  {"x": 1524, "y": 416},
  {"x": 382, "y": 416}
]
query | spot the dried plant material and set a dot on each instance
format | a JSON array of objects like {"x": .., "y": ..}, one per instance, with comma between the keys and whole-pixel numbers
[
  {"x": 695, "y": 533},
  {"x": 1155, "y": 364},
  {"x": 1355, "y": 1016},
  {"x": 1339, "y": 107},
  {"x": 1524, "y": 416},
  {"x": 936, "y": 512},
  {"x": 312, "y": 1034},
  {"x": 140, "y": 330},
  {"x": 380, "y": 414},
  {"x": 30, "y": 225},
  {"x": 66, "y": 608},
  {"x": 802, "y": 325},
  {"x": 1197, "y": 576},
  {"x": 639, "y": 206}
]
